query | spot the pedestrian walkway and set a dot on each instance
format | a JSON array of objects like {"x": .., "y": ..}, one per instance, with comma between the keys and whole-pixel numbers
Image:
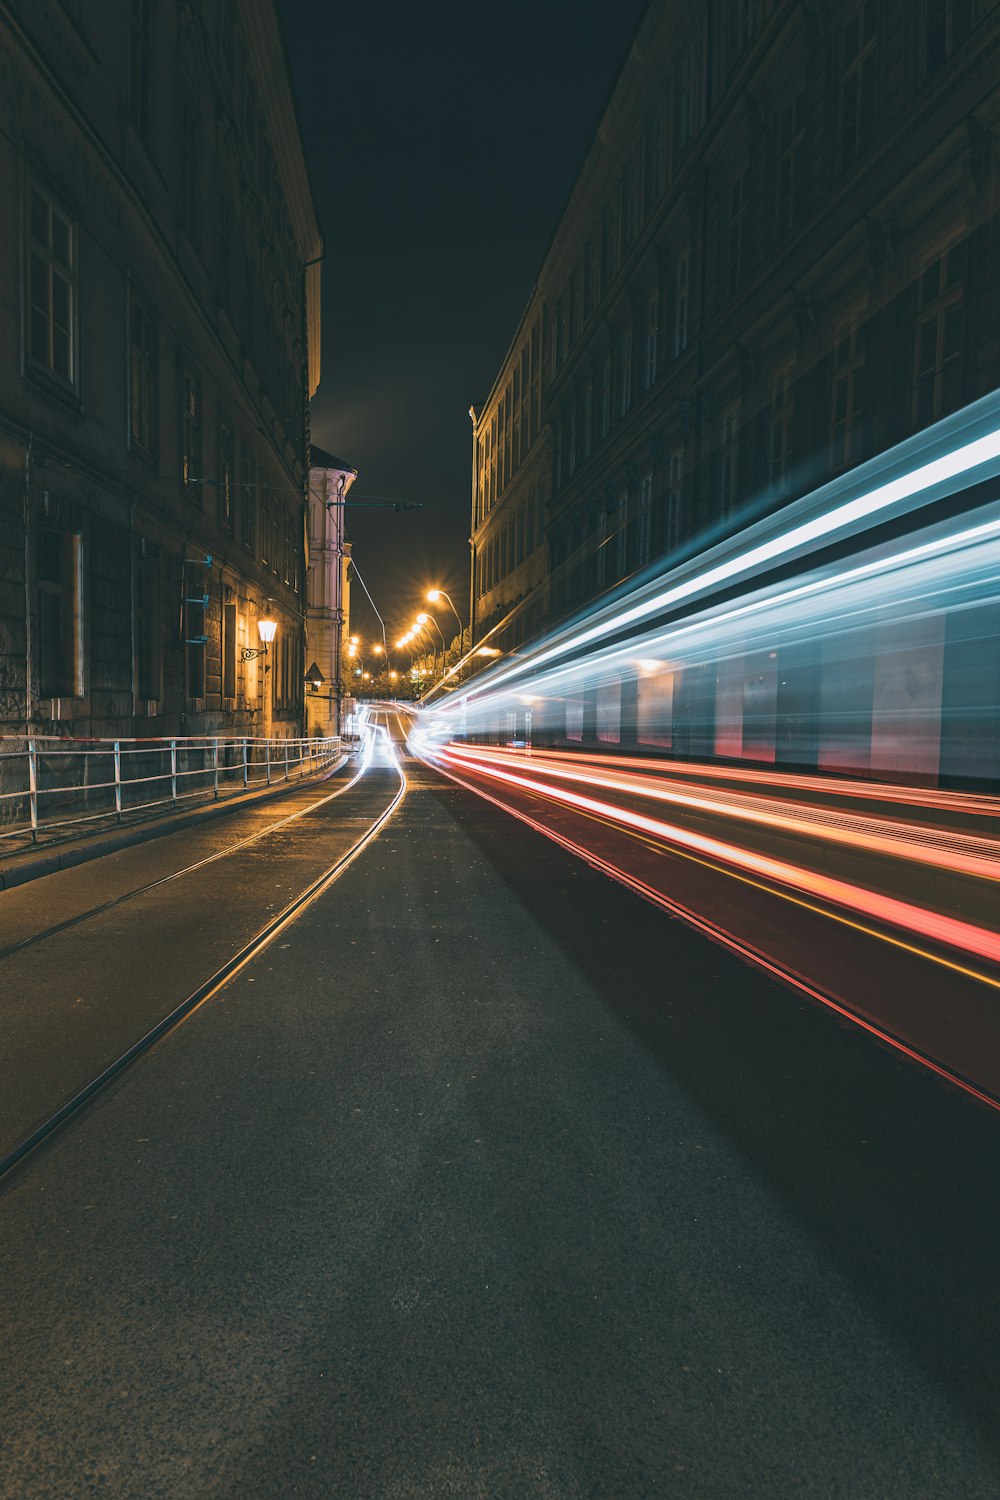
[{"x": 30, "y": 861}]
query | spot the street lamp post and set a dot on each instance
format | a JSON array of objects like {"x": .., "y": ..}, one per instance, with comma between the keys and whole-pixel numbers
[
  {"x": 425, "y": 619},
  {"x": 433, "y": 596},
  {"x": 421, "y": 626}
]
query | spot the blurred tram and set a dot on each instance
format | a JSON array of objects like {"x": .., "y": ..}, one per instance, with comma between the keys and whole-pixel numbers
[{"x": 854, "y": 632}]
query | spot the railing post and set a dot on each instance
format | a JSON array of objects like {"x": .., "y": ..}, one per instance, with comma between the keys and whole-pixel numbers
[
  {"x": 173, "y": 770},
  {"x": 267, "y": 760},
  {"x": 118, "y": 781},
  {"x": 215, "y": 768},
  {"x": 33, "y": 789},
  {"x": 286, "y": 760},
  {"x": 246, "y": 767}
]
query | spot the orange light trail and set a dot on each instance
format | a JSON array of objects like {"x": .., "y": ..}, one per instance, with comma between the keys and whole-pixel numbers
[
  {"x": 960, "y": 854},
  {"x": 726, "y": 939},
  {"x": 949, "y": 931}
]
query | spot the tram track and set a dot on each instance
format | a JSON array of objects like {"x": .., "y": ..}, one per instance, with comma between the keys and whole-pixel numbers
[
  {"x": 28, "y": 1142},
  {"x": 906, "y": 990},
  {"x": 141, "y": 890}
]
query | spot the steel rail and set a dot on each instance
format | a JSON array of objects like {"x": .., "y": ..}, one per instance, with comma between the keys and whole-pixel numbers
[
  {"x": 31, "y": 1143},
  {"x": 151, "y": 885}
]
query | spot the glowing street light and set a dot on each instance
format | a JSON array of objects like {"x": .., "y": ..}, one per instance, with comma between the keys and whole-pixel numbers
[
  {"x": 266, "y": 629},
  {"x": 433, "y": 595}
]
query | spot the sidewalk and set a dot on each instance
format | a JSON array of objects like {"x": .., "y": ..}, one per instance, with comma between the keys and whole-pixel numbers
[{"x": 16, "y": 868}]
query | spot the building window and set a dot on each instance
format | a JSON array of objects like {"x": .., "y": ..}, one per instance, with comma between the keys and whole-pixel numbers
[
  {"x": 248, "y": 502},
  {"x": 140, "y": 66},
  {"x": 227, "y": 35},
  {"x": 53, "y": 283},
  {"x": 729, "y": 458},
  {"x": 737, "y": 230},
  {"x": 652, "y": 160},
  {"x": 780, "y": 447},
  {"x": 571, "y": 443},
  {"x": 606, "y": 396},
  {"x": 618, "y": 536},
  {"x": 681, "y": 303},
  {"x": 265, "y": 522},
  {"x": 148, "y": 668},
  {"x": 948, "y": 24},
  {"x": 629, "y": 204},
  {"x": 557, "y": 456},
  {"x": 652, "y": 335},
  {"x": 848, "y": 392},
  {"x": 859, "y": 82},
  {"x": 225, "y": 256},
  {"x": 286, "y": 551},
  {"x": 227, "y": 478},
  {"x": 142, "y": 377},
  {"x": 673, "y": 500},
  {"x": 190, "y": 171},
  {"x": 625, "y": 391},
  {"x": 685, "y": 96},
  {"x": 195, "y": 637},
  {"x": 229, "y": 628},
  {"x": 644, "y": 521},
  {"x": 940, "y": 335},
  {"x": 191, "y": 467},
  {"x": 60, "y": 634},
  {"x": 276, "y": 517},
  {"x": 249, "y": 289},
  {"x": 790, "y": 178}
]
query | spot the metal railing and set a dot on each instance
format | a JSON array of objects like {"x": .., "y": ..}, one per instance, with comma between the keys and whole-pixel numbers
[{"x": 50, "y": 785}]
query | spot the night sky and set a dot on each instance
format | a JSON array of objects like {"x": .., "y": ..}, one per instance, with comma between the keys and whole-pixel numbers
[{"x": 442, "y": 143}]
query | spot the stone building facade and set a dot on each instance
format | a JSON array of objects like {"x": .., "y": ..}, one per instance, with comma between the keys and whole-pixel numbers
[
  {"x": 779, "y": 258},
  {"x": 159, "y": 342},
  {"x": 327, "y": 589}
]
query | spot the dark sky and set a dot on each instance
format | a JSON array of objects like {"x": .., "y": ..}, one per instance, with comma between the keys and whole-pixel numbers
[{"x": 442, "y": 142}]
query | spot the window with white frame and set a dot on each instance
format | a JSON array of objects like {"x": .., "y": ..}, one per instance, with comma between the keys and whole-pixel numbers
[
  {"x": 848, "y": 390},
  {"x": 940, "y": 339},
  {"x": 859, "y": 82},
  {"x": 53, "y": 285},
  {"x": 729, "y": 458}
]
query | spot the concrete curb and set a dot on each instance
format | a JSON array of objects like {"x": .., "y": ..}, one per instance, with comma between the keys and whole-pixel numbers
[{"x": 35, "y": 863}]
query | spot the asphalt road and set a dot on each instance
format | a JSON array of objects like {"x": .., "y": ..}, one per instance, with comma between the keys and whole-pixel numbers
[{"x": 490, "y": 1180}]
